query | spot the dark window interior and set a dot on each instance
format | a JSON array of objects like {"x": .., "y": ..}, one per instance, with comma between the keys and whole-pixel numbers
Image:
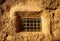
[{"x": 30, "y": 24}]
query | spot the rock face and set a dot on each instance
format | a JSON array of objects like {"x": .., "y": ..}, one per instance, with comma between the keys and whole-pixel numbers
[
  {"x": 2, "y": 1},
  {"x": 50, "y": 4},
  {"x": 49, "y": 10},
  {"x": 45, "y": 22}
]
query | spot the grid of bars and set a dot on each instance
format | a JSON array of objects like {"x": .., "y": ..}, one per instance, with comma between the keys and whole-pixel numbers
[{"x": 31, "y": 24}]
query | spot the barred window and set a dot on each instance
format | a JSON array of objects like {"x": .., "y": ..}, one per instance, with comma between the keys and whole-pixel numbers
[
  {"x": 31, "y": 24},
  {"x": 27, "y": 24}
]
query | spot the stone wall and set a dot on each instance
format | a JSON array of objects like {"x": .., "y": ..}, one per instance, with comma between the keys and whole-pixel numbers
[{"x": 50, "y": 14}]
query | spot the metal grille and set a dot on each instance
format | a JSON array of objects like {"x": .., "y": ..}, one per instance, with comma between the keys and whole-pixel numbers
[{"x": 31, "y": 24}]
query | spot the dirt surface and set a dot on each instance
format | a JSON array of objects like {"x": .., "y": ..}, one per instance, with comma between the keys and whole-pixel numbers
[{"x": 7, "y": 19}]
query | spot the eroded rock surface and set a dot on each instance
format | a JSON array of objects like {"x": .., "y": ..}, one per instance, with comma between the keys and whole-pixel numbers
[{"x": 7, "y": 23}]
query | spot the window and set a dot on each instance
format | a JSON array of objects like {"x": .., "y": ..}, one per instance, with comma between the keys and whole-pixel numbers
[
  {"x": 27, "y": 24},
  {"x": 31, "y": 24}
]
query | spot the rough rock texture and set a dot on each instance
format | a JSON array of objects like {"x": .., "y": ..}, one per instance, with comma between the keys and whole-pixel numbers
[{"x": 7, "y": 25}]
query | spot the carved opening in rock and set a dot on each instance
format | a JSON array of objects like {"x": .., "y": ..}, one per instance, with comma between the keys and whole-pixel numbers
[{"x": 27, "y": 23}]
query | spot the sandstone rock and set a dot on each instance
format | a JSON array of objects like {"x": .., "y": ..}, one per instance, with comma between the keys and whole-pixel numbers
[
  {"x": 8, "y": 25},
  {"x": 1, "y": 10},
  {"x": 47, "y": 38},
  {"x": 2, "y": 1},
  {"x": 45, "y": 16},
  {"x": 3, "y": 35},
  {"x": 56, "y": 19},
  {"x": 10, "y": 38},
  {"x": 57, "y": 34},
  {"x": 50, "y": 4}
]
